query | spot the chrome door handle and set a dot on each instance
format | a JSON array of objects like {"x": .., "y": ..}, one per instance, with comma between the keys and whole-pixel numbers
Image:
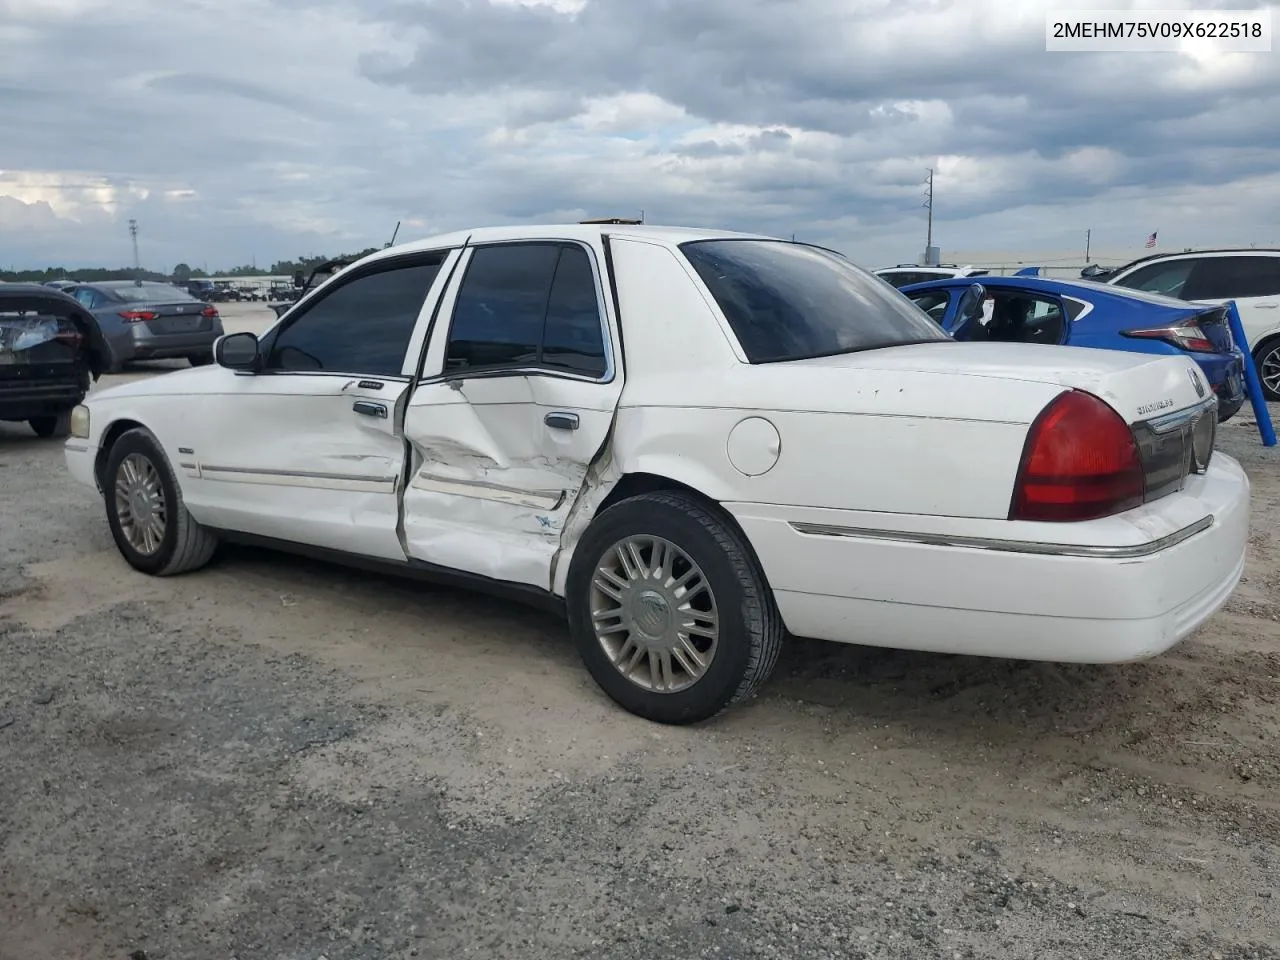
[
  {"x": 560, "y": 420},
  {"x": 368, "y": 408},
  {"x": 1265, "y": 306}
]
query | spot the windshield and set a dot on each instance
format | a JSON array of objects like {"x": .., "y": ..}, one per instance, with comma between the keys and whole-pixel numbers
[
  {"x": 152, "y": 293},
  {"x": 791, "y": 301}
]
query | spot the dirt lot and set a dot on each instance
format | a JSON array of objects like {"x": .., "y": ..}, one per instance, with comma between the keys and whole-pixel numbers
[{"x": 280, "y": 759}]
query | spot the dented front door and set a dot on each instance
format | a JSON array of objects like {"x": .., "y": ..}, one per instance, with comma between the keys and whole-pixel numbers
[{"x": 519, "y": 402}]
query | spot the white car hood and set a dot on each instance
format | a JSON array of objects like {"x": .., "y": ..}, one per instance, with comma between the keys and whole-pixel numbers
[
  {"x": 1138, "y": 385},
  {"x": 195, "y": 380}
]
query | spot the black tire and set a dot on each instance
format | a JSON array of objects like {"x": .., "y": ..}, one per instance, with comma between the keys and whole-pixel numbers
[
  {"x": 51, "y": 425},
  {"x": 1268, "y": 349},
  {"x": 200, "y": 359},
  {"x": 750, "y": 631},
  {"x": 185, "y": 545}
]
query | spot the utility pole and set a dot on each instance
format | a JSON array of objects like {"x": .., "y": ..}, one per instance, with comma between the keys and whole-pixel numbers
[
  {"x": 930, "y": 257},
  {"x": 133, "y": 233},
  {"x": 1088, "y": 235},
  {"x": 928, "y": 204}
]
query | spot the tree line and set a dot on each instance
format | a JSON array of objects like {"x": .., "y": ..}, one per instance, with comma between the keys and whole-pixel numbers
[{"x": 181, "y": 272}]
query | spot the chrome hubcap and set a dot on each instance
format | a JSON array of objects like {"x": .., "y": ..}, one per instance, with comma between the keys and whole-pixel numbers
[
  {"x": 140, "y": 506},
  {"x": 1269, "y": 369},
  {"x": 654, "y": 614}
]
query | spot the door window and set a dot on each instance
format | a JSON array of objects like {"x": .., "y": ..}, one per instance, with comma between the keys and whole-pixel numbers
[
  {"x": 362, "y": 326},
  {"x": 1224, "y": 278},
  {"x": 1168, "y": 278},
  {"x": 932, "y": 302},
  {"x": 528, "y": 304},
  {"x": 88, "y": 298},
  {"x": 573, "y": 336},
  {"x": 1018, "y": 317}
]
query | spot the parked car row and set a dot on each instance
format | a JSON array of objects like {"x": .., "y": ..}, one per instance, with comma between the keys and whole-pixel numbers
[{"x": 693, "y": 444}]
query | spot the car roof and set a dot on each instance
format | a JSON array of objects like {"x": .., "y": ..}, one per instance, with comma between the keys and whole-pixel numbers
[
  {"x": 566, "y": 231},
  {"x": 1170, "y": 254}
]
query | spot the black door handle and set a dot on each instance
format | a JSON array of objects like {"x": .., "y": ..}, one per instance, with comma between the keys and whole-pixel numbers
[
  {"x": 369, "y": 409},
  {"x": 561, "y": 421}
]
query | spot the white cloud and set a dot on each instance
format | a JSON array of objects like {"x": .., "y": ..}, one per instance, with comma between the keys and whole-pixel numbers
[{"x": 277, "y": 127}]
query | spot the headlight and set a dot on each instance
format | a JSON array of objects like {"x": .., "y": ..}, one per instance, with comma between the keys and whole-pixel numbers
[{"x": 80, "y": 422}]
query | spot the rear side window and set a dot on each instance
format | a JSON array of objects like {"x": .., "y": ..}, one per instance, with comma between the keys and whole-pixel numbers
[
  {"x": 790, "y": 301},
  {"x": 528, "y": 304},
  {"x": 903, "y": 279},
  {"x": 363, "y": 326},
  {"x": 1223, "y": 278}
]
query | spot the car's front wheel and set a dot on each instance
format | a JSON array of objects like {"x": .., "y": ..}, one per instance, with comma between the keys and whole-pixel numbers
[
  {"x": 150, "y": 524},
  {"x": 670, "y": 610},
  {"x": 200, "y": 359},
  {"x": 1266, "y": 358}
]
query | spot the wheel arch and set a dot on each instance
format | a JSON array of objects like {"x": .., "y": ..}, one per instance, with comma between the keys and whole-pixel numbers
[
  {"x": 636, "y": 482},
  {"x": 114, "y": 431}
]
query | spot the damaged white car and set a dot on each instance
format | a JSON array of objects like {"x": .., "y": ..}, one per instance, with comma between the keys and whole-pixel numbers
[{"x": 693, "y": 443}]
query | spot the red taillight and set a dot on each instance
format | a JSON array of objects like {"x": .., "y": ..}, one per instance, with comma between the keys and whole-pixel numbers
[
  {"x": 1080, "y": 462},
  {"x": 209, "y": 312},
  {"x": 137, "y": 316},
  {"x": 1188, "y": 336}
]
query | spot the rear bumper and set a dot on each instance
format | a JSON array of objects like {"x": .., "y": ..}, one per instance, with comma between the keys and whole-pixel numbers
[
  {"x": 22, "y": 398},
  {"x": 1225, "y": 373},
  {"x": 1108, "y": 597}
]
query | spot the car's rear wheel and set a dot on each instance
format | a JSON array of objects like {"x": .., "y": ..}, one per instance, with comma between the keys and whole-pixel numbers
[
  {"x": 200, "y": 359},
  {"x": 149, "y": 522},
  {"x": 1266, "y": 358},
  {"x": 670, "y": 610},
  {"x": 51, "y": 425}
]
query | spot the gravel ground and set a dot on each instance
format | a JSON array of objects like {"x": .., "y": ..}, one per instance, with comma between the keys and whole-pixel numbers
[{"x": 280, "y": 759}]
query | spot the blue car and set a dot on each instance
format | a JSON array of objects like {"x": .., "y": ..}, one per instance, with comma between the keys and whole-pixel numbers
[{"x": 1082, "y": 313}]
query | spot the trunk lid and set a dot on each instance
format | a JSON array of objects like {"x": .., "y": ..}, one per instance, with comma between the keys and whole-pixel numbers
[
  {"x": 1213, "y": 321},
  {"x": 1140, "y": 386},
  {"x": 182, "y": 316}
]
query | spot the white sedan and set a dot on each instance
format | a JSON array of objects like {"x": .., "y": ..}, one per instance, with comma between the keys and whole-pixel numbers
[{"x": 693, "y": 443}]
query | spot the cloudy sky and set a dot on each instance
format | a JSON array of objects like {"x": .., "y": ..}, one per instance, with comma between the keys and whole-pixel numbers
[{"x": 239, "y": 130}]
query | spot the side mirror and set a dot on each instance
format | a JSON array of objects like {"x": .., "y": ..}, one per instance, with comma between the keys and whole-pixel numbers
[
  {"x": 971, "y": 303},
  {"x": 298, "y": 280},
  {"x": 238, "y": 351}
]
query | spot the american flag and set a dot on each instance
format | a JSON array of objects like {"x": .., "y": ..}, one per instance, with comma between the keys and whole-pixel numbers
[{"x": 1151, "y": 240}]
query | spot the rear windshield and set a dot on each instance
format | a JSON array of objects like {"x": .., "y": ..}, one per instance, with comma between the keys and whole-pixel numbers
[
  {"x": 152, "y": 293},
  {"x": 791, "y": 301}
]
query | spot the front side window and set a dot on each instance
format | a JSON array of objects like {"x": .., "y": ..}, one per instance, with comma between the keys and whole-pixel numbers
[
  {"x": 1167, "y": 278},
  {"x": 790, "y": 301},
  {"x": 528, "y": 304},
  {"x": 363, "y": 326}
]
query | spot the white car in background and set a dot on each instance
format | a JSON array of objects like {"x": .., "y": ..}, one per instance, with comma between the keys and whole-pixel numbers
[
  {"x": 905, "y": 274},
  {"x": 692, "y": 443},
  {"x": 1249, "y": 277}
]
